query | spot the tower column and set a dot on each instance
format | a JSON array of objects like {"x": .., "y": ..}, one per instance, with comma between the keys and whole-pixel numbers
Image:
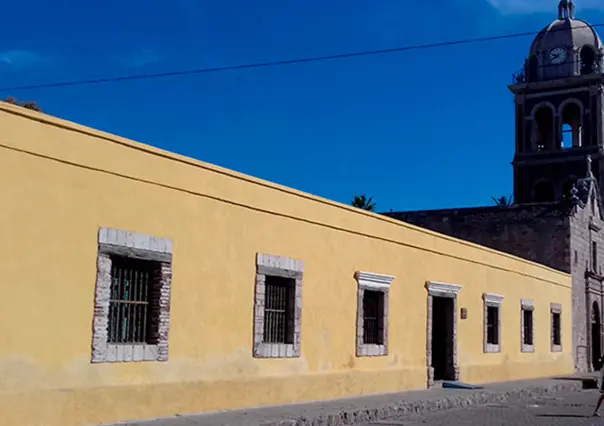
[{"x": 557, "y": 131}]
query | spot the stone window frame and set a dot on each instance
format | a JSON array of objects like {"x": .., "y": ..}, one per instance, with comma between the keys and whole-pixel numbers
[
  {"x": 373, "y": 282},
  {"x": 493, "y": 300},
  {"x": 438, "y": 289},
  {"x": 115, "y": 242},
  {"x": 527, "y": 305},
  {"x": 555, "y": 308},
  {"x": 284, "y": 267}
]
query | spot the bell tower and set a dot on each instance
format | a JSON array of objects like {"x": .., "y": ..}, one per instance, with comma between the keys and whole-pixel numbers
[{"x": 559, "y": 103}]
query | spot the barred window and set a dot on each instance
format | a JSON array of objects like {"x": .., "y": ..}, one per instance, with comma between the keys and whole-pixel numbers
[
  {"x": 556, "y": 334},
  {"x": 373, "y": 317},
  {"x": 528, "y": 326},
  {"x": 279, "y": 310},
  {"x": 278, "y": 307},
  {"x": 492, "y": 325},
  {"x": 130, "y": 303}
]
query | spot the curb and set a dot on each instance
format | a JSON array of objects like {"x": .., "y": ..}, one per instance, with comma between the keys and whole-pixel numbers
[{"x": 391, "y": 411}]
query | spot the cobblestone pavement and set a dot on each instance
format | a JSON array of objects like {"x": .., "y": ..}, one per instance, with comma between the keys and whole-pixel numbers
[
  {"x": 362, "y": 410},
  {"x": 573, "y": 409}
]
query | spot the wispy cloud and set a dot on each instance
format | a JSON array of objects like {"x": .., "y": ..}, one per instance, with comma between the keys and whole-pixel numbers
[
  {"x": 141, "y": 59},
  {"x": 516, "y": 7},
  {"x": 16, "y": 60}
]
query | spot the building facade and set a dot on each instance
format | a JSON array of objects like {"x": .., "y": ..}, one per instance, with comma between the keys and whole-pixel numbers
[
  {"x": 558, "y": 165},
  {"x": 141, "y": 284}
]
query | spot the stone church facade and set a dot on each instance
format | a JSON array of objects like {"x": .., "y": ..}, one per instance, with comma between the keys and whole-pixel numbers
[{"x": 556, "y": 218}]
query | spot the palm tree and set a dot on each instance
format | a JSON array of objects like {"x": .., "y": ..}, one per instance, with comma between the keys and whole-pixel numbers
[
  {"x": 503, "y": 201},
  {"x": 362, "y": 202}
]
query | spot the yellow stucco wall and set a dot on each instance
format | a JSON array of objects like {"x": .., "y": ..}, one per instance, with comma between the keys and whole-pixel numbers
[{"x": 59, "y": 182}]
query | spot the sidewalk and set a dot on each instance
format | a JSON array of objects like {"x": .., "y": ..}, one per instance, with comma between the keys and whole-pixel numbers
[{"x": 378, "y": 407}]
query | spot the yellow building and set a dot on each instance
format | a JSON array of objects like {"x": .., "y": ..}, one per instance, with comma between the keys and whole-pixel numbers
[{"x": 141, "y": 284}]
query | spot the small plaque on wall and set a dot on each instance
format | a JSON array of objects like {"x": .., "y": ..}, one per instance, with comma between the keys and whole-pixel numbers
[{"x": 464, "y": 313}]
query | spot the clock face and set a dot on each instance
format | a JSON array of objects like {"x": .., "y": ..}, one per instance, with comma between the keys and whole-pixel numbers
[{"x": 557, "y": 55}]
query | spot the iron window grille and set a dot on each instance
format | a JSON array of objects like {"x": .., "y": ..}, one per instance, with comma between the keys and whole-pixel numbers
[
  {"x": 373, "y": 317},
  {"x": 131, "y": 305},
  {"x": 492, "y": 325},
  {"x": 279, "y": 310}
]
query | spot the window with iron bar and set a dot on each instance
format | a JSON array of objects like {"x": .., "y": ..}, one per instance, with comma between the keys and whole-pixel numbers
[
  {"x": 493, "y": 325},
  {"x": 131, "y": 304},
  {"x": 279, "y": 310},
  {"x": 556, "y": 335},
  {"x": 528, "y": 326},
  {"x": 373, "y": 317}
]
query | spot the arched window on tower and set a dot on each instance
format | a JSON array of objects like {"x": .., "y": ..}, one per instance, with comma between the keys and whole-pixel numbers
[
  {"x": 572, "y": 131},
  {"x": 567, "y": 136},
  {"x": 543, "y": 130},
  {"x": 588, "y": 60},
  {"x": 544, "y": 192},
  {"x": 533, "y": 69}
]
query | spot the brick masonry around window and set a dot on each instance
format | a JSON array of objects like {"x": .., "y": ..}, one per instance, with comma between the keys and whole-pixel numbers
[
  {"x": 527, "y": 305},
  {"x": 492, "y": 301},
  {"x": 117, "y": 243},
  {"x": 268, "y": 265},
  {"x": 556, "y": 341},
  {"x": 369, "y": 281}
]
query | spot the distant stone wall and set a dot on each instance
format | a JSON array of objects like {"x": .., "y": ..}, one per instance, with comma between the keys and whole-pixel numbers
[{"x": 539, "y": 233}]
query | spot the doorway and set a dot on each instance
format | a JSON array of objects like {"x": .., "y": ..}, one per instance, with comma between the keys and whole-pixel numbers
[
  {"x": 442, "y": 339},
  {"x": 596, "y": 342}
]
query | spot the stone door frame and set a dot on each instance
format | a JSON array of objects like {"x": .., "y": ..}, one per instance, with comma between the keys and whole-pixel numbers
[{"x": 438, "y": 289}]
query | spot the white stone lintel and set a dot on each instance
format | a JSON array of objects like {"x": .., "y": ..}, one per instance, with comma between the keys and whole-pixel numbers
[
  {"x": 493, "y": 298},
  {"x": 134, "y": 240},
  {"x": 279, "y": 262},
  {"x": 438, "y": 287},
  {"x": 527, "y": 303},
  {"x": 373, "y": 280}
]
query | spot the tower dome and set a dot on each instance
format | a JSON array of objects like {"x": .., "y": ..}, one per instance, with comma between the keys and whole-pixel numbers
[{"x": 565, "y": 48}]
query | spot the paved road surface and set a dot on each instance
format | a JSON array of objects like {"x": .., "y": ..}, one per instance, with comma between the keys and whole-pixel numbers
[{"x": 561, "y": 410}]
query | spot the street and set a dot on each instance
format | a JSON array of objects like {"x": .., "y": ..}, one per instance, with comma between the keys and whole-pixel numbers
[{"x": 573, "y": 409}]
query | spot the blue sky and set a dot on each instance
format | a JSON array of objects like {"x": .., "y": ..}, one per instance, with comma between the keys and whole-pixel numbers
[{"x": 430, "y": 128}]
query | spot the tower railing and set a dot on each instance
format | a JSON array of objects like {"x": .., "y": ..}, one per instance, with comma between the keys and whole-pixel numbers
[
  {"x": 597, "y": 67},
  {"x": 519, "y": 76}
]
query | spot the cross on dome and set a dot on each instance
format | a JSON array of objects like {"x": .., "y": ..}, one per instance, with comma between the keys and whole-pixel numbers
[{"x": 566, "y": 9}]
